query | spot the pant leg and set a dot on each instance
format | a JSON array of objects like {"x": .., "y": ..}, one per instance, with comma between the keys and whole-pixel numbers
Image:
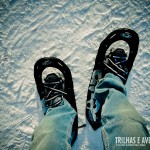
[
  {"x": 119, "y": 118},
  {"x": 54, "y": 132}
]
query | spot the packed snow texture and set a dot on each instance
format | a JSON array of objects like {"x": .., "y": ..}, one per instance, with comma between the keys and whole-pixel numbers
[{"x": 72, "y": 31}]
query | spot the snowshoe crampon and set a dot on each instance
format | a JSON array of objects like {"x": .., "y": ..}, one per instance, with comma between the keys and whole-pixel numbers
[
  {"x": 93, "y": 109},
  {"x": 42, "y": 64}
]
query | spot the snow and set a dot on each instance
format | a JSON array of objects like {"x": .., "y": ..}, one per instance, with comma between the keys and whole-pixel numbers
[{"x": 72, "y": 31}]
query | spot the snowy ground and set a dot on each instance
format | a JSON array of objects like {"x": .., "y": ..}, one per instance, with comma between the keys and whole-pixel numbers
[{"x": 72, "y": 31}]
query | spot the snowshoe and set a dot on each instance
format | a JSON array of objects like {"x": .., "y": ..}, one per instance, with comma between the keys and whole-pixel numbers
[
  {"x": 102, "y": 64},
  {"x": 57, "y": 85}
]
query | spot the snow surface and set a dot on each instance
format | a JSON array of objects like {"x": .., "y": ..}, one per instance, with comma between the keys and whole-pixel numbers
[{"x": 72, "y": 31}]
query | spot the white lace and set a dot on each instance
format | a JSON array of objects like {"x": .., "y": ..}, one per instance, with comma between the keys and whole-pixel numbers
[
  {"x": 52, "y": 101},
  {"x": 117, "y": 64}
]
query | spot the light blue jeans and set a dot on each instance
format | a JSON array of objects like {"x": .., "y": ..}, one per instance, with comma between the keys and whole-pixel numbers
[{"x": 119, "y": 120}]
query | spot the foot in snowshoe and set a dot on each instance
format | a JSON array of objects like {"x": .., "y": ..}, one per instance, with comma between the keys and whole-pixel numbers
[
  {"x": 115, "y": 62},
  {"x": 54, "y": 91}
]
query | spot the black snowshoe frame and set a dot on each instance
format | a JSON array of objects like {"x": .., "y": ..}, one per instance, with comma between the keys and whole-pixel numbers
[
  {"x": 93, "y": 113},
  {"x": 43, "y": 63}
]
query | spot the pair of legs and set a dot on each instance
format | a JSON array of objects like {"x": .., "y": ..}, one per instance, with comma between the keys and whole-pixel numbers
[{"x": 118, "y": 117}]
